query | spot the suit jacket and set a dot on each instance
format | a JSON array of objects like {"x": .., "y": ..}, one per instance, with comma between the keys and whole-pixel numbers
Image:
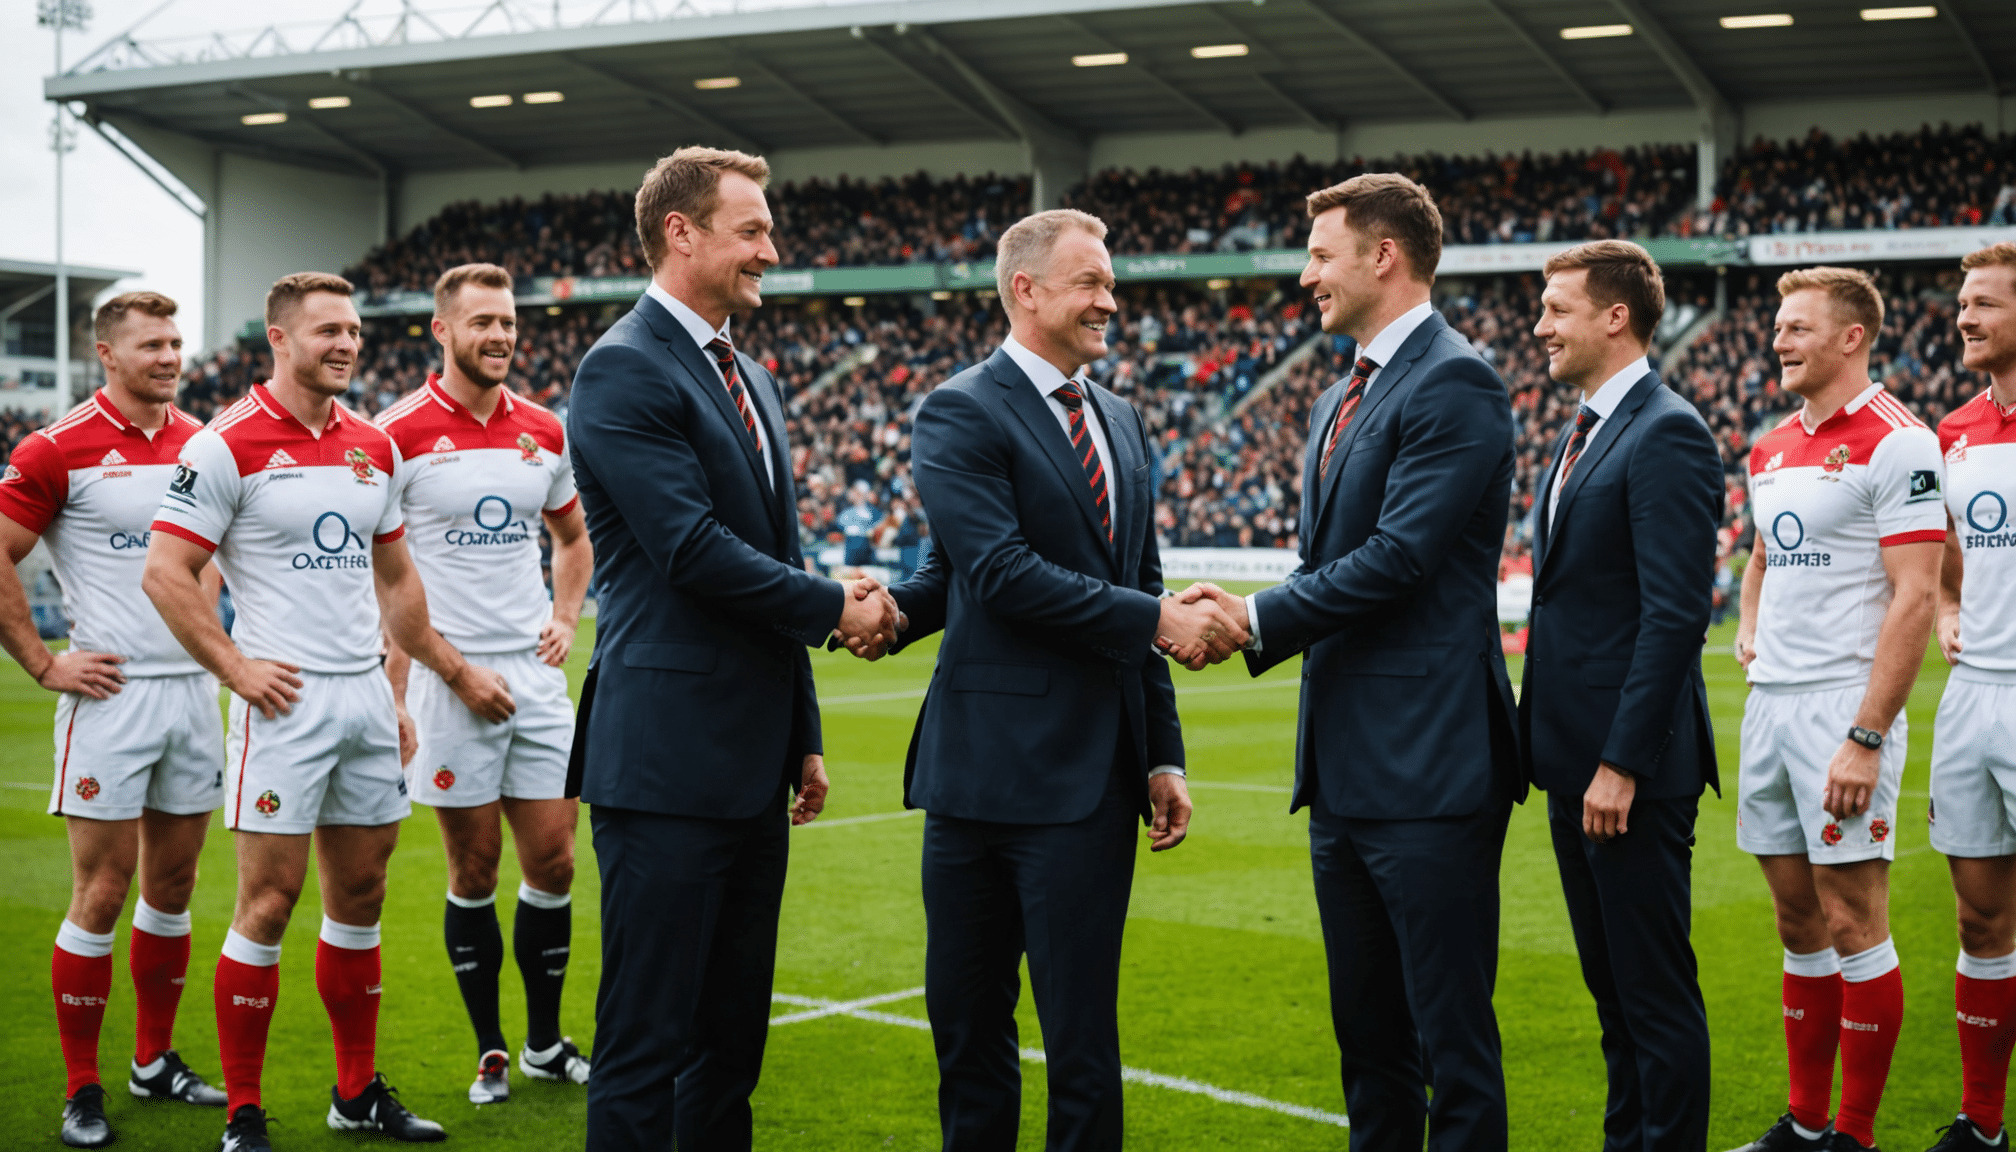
[
  {"x": 1407, "y": 711},
  {"x": 699, "y": 698},
  {"x": 1623, "y": 581},
  {"x": 1048, "y": 665}
]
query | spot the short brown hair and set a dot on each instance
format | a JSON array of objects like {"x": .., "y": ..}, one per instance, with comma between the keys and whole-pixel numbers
[
  {"x": 1026, "y": 244},
  {"x": 1620, "y": 272},
  {"x": 688, "y": 182},
  {"x": 289, "y": 290},
  {"x": 462, "y": 275},
  {"x": 113, "y": 311},
  {"x": 1850, "y": 290},
  {"x": 1994, "y": 255},
  {"x": 1389, "y": 206}
]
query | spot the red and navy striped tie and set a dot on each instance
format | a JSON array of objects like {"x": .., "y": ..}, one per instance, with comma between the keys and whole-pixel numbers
[
  {"x": 1088, "y": 454},
  {"x": 1361, "y": 372},
  {"x": 1584, "y": 421},
  {"x": 724, "y": 355}
]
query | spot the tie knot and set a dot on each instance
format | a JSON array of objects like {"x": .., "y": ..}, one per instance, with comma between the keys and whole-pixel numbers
[
  {"x": 721, "y": 348},
  {"x": 1586, "y": 419},
  {"x": 1364, "y": 368},
  {"x": 1068, "y": 395}
]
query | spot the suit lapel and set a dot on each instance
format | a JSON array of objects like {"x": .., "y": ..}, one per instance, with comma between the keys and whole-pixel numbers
[
  {"x": 1543, "y": 526},
  {"x": 1599, "y": 445},
  {"x": 1035, "y": 414},
  {"x": 1391, "y": 376},
  {"x": 706, "y": 377}
]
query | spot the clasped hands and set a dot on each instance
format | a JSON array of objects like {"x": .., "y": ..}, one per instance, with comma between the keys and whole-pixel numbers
[
  {"x": 869, "y": 619},
  {"x": 1204, "y": 624}
]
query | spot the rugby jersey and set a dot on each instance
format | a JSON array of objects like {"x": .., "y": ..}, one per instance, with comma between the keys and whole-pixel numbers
[{"x": 1979, "y": 441}]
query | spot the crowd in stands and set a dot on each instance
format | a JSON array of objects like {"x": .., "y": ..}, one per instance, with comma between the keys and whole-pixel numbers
[{"x": 1919, "y": 179}]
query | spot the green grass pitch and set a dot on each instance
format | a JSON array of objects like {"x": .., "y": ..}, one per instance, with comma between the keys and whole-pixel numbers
[{"x": 1223, "y": 982}]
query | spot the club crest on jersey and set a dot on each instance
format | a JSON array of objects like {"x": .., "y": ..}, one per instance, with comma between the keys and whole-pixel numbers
[
  {"x": 444, "y": 779},
  {"x": 87, "y": 787},
  {"x": 360, "y": 465},
  {"x": 1879, "y": 830},
  {"x": 1957, "y": 454},
  {"x": 528, "y": 448},
  {"x": 1836, "y": 460},
  {"x": 269, "y": 803},
  {"x": 1830, "y": 835}
]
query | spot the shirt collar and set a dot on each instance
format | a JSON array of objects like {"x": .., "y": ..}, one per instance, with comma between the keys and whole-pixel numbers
[
  {"x": 1043, "y": 374},
  {"x": 273, "y": 408},
  {"x": 1604, "y": 400},
  {"x": 1382, "y": 348},
  {"x": 687, "y": 318},
  {"x": 111, "y": 411},
  {"x": 1853, "y": 406},
  {"x": 439, "y": 393}
]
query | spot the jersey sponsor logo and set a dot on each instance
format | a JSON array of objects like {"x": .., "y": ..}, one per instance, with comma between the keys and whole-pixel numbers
[
  {"x": 87, "y": 788},
  {"x": 184, "y": 482},
  {"x": 360, "y": 465},
  {"x": 444, "y": 779},
  {"x": 122, "y": 541},
  {"x": 1957, "y": 454},
  {"x": 280, "y": 459},
  {"x": 114, "y": 474},
  {"x": 333, "y": 536},
  {"x": 112, "y": 458},
  {"x": 1924, "y": 485},
  {"x": 1988, "y": 514},
  {"x": 268, "y": 803},
  {"x": 528, "y": 448},
  {"x": 494, "y": 516},
  {"x": 444, "y": 444}
]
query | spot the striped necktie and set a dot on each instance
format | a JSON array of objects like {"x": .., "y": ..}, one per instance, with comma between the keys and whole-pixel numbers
[
  {"x": 724, "y": 356},
  {"x": 1361, "y": 372},
  {"x": 1584, "y": 421},
  {"x": 1088, "y": 453}
]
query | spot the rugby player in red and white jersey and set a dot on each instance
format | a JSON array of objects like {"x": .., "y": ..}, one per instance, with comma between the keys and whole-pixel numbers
[
  {"x": 139, "y": 748},
  {"x": 1837, "y": 608},
  {"x": 1973, "y": 804},
  {"x": 484, "y": 468},
  {"x": 297, "y": 498}
]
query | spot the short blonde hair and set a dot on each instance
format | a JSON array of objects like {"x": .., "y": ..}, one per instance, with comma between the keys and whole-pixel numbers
[
  {"x": 688, "y": 182},
  {"x": 287, "y": 293},
  {"x": 455, "y": 279},
  {"x": 111, "y": 313},
  {"x": 1026, "y": 245},
  {"x": 1620, "y": 272},
  {"x": 1388, "y": 206},
  {"x": 1994, "y": 255},
  {"x": 1850, "y": 290}
]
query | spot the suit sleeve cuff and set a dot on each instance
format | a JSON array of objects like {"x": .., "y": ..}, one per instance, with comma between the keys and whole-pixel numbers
[
  {"x": 1167, "y": 770},
  {"x": 1253, "y": 622}
]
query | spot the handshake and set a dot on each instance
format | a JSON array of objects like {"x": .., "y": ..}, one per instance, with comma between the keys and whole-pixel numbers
[
  {"x": 869, "y": 619},
  {"x": 1202, "y": 625}
]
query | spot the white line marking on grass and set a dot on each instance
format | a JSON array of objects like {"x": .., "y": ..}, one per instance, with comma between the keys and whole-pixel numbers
[
  {"x": 872, "y": 697},
  {"x": 23, "y": 784},
  {"x": 870, "y": 818},
  {"x": 1234, "y": 786},
  {"x": 918, "y": 693},
  {"x": 1255, "y": 686},
  {"x": 859, "y": 1010}
]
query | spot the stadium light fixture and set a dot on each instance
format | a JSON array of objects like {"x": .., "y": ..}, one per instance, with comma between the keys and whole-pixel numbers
[
  {"x": 941, "y": 294},
  {"x": 498, "y": 101},
  {"x": 1764, "y": 20},
  {"x": 1218, "y": 51},
  {"x": 1595, "y": 31},
  {"x": 552, "y": 310},
  {"x": 544, "y": 97},
  {"x": 714, "y": 82},
  {"x": 1908, "y": 12},
  {"x": 855, "y": 301},
  {"x": 324, "y": 103},
  {"x": 254, "y": 119},
  {"x": 1099, "y": 59}
]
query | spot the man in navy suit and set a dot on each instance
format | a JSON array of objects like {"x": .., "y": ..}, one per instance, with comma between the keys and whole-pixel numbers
[
  {"x": 1405, "y": 754},
  {"x": 1614, "y": 712},
  {"x": 1050, "y": 724},
  {"x": 698, "y": 717}
]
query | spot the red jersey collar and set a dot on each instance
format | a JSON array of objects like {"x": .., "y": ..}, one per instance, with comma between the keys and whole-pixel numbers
[
  {"x": 1849, "y": 409},
  {"x": 278, "y": 411},
  {"x": 110, "y": 411},
  {"x": 441, "y": 397}
]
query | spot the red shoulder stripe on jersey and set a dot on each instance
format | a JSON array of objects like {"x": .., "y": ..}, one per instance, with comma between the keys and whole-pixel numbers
[
  {"x": 1922, "y": 536},
  {"x": 402, "y": 406},
  {"x": 564, "y": 509},
  {"x": 389, "y": 537},
  {"x": 1888, "y": 407},
  {"x": 184, "y": 533}
]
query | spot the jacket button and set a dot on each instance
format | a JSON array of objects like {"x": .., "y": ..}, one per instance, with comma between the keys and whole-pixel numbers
[{"x": 1539, "y": 600}]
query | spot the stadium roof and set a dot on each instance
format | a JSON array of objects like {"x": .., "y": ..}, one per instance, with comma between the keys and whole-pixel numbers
[{"x": 912, "y": 71}]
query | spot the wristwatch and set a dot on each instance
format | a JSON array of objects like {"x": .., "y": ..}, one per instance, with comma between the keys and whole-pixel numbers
[{"x": 1866, "y": 737}]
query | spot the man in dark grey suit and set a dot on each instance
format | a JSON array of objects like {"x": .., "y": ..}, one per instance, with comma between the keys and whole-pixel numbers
[{"x": 698, "y": 717}]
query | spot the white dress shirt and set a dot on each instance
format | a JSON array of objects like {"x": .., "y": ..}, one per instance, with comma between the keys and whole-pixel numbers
[
  {"x": 1047, "y": 379},
  {"x": 1603, "y": 402},
  {"x": 702, "y": 336},
  {"x": 1380, "y": 351}
]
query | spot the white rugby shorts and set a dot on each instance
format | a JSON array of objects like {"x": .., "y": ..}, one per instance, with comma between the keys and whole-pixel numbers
[
  {"x": 156, "y": 743},
  {"x": 1789, "y": 738},
  {"x": 1973, "y": 806},
  {"x": 334, "y": 759},
  {"x": 465, "y": 760}
]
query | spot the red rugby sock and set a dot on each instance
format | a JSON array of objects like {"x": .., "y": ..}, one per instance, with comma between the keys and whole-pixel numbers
[
  {"x": 81, "y": 985},
  {"x": 245, "y": 996},
  {"x": 1872, "y": 1012},
  {"x": 160, "y": 968},
  {"x": 1812, "y": 1031},
  {"x": 349, "y": 981},
  {"x": 1986, "y": 1012}
]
